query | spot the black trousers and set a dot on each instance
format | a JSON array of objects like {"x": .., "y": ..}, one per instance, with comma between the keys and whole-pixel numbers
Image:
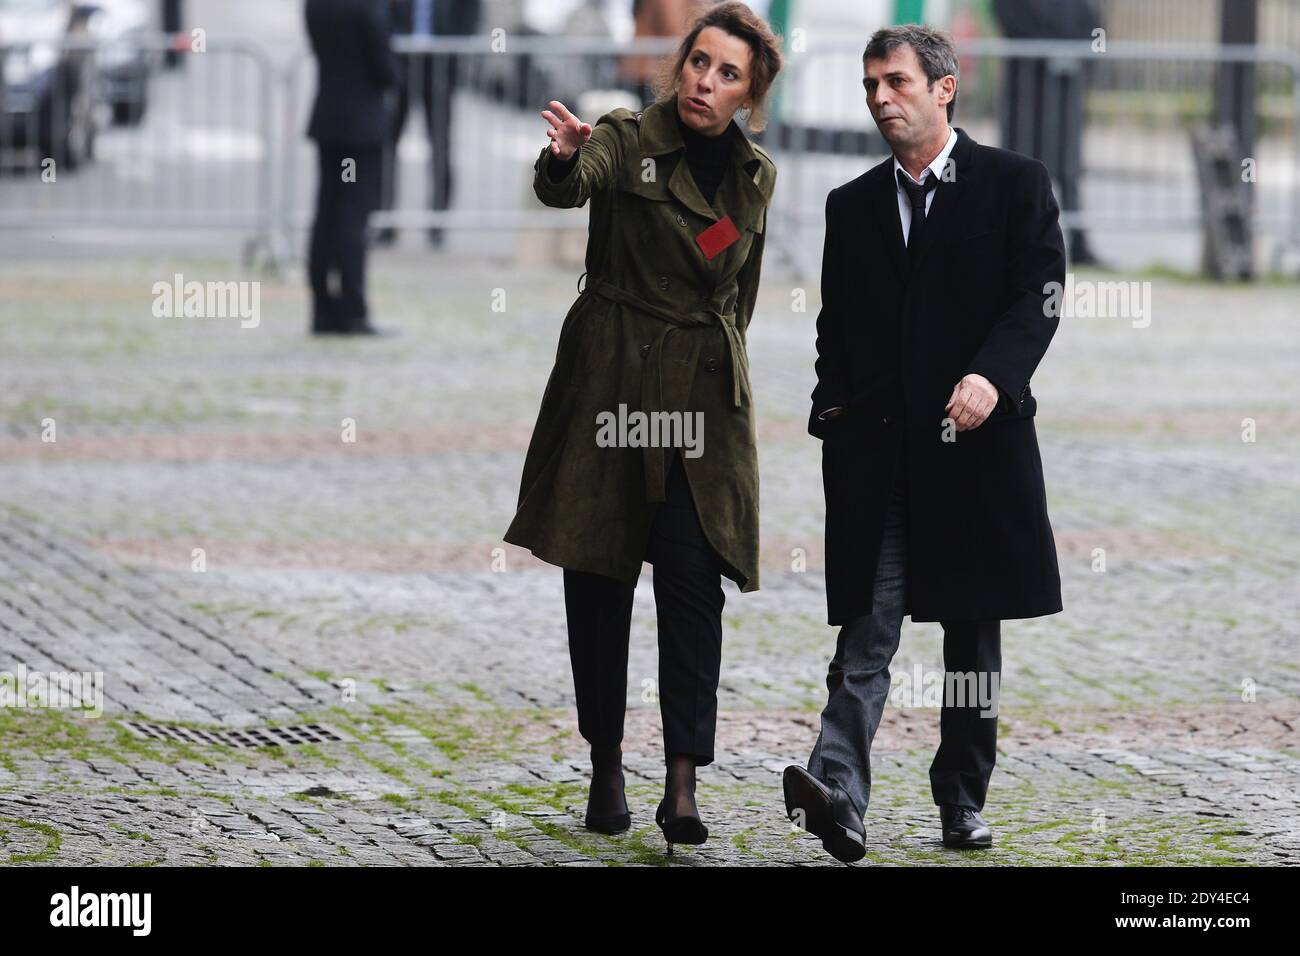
[
  {"x": 338, "y": 235},
  {"x": 858, "y": 683},
  {"x": 968, "y": 729},
  {"x": 434, "y": 77},
  {"x": 688, "y": 605}
]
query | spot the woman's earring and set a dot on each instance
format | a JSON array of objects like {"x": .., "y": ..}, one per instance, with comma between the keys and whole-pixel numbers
[{"x": 745, "y": 112}]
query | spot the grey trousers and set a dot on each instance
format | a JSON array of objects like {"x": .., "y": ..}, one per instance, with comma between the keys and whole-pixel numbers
[{"x": 858, "y": 684}]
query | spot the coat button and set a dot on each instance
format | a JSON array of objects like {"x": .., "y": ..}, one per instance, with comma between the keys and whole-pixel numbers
[
  {"x": 645, "y": 350},
  {"x": 711, "y": 364},
  {"x": 681, "y": 220},
  {"x": 663, "y": 283}
]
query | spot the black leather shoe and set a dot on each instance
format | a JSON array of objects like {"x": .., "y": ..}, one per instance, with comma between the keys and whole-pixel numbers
[
  {"x": 826, "y": 812},
  {"x": 369, "y": 329},
  {"x": 964, "y": 828},
  {"x": 683, "y": 829}
]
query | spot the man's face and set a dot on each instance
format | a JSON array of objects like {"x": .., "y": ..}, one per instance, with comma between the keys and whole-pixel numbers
[{"x": 906, "y": 111}]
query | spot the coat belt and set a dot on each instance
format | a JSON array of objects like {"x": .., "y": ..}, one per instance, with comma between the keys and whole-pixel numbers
[{"x": 652, "y": 377}]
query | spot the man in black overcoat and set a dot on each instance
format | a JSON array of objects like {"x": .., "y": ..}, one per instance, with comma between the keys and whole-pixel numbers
[
  {"x": 937, "y": 307},
  {"x": 350, "y": 122}
]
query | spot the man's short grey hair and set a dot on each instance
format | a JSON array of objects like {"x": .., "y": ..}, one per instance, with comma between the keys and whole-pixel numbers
[{"x": 933, "y": 48}]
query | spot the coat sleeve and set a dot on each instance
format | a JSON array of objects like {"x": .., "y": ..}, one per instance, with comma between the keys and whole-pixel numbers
[
  {"x": 1019, "y": 337},
  {"x": 832, "y": 378},
  {"x": 597, "y": 168},
  {"x": 747, "y": 280},
  {"x": 377, "y": 43}
]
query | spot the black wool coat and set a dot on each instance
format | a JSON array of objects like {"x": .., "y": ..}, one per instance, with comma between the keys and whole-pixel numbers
[
  {"x": 974, "y": 298},
  {"x": 355, "y": 68}
]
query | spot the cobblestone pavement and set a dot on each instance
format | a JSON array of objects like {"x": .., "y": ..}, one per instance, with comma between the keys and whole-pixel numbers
[{"x": 356, "y": 585}]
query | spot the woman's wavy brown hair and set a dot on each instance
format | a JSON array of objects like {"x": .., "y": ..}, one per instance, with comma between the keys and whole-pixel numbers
[{"x": 740, "y": 21}]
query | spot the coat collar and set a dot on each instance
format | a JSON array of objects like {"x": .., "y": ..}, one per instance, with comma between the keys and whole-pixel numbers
[
  {"x": 947, "y": 195},
  {"x": 741, "y": 196}
]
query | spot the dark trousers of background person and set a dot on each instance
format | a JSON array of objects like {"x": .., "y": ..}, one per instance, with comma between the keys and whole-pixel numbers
[
  {"x": 171, "y": 23},
  {"x": 1042, "y": 115},
  {"x": 434, "y": 78},
  {"x": 858, "y": 685},
  {"x": 688, "y": 605},
  {"x": 338, "y": 236}
]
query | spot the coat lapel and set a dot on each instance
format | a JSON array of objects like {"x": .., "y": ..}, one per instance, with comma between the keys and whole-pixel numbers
[
  {"x": 882, "y": 201},
  {"x": 947, "y": 198},
  {"x": 738, "y": 196}
]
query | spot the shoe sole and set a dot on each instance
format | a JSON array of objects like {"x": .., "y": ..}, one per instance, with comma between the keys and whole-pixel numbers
[
  {"x": 686, "y": 832},
  {"x": 609, "y": 825},
  {"x": 963, "y": 844},
  {"x": 819, "y": 819}
]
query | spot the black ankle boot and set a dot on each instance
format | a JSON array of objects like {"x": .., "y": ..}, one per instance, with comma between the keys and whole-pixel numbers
[{"x": 606, "y": 772}]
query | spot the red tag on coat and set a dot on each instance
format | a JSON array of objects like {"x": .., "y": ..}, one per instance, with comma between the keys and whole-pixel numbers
[{"x": 717, "y": 237}]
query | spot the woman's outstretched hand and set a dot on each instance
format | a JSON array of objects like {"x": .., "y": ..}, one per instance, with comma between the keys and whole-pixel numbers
[{"x": 567, "y": 132}]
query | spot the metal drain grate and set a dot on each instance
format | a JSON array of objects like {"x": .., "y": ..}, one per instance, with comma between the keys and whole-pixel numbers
[{"x": 254, "y": 737}]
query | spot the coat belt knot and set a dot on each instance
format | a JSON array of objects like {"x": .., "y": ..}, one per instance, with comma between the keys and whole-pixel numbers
[{"x": 652, "y": 377}]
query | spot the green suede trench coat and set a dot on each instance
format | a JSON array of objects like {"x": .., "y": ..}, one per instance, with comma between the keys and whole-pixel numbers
[{"x": 658, "y": 326}]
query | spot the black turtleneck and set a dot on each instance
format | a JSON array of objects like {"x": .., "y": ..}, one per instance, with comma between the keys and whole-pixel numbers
[{"x": 706, "y": 156}]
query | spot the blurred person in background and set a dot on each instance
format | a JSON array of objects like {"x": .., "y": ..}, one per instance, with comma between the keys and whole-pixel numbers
[
  {"x": 433, "y": 79},
  {"x": 350, "y": 122},
  {"x": 172, "y": 17},
  {"x": 673, "y": 269},
  {"x": 1041, "y": 109},
  {"x": 655, "y": 18}
]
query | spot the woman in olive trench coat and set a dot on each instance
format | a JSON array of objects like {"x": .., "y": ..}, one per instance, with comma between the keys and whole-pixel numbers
[{"x": 659, "y": 326}]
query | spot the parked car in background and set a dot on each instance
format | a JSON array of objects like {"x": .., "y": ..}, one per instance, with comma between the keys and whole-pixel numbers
[
  {"x": 47, "y": 93},
  {"x": 123, "y": 63}
]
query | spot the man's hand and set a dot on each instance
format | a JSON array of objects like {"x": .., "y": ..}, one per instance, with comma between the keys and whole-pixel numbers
[{"x": 973, "y": 400}]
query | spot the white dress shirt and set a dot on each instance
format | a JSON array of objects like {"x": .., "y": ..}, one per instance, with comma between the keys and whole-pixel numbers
[{"x": 934, "y": 169}]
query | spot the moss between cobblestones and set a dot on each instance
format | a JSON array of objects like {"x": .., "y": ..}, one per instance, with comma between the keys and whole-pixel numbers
[
  {"x": 477, "y": 691},
  {"x": 49, "y": 730},
  {"x": 553, "y": 796},
  {"x": 382, "y": 766},
  {"x": 213, "y": 858},
  {"x": 457, "y": 731},
  {"x": 54, "y": 839}
]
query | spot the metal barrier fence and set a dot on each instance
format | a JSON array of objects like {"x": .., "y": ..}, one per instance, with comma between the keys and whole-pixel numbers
[
  {"x": 222, "y": 143},
  {"x": 1134, "y": 166},
  {"x": 192, "y": 150},
  {"x": 491, "y": 101}
]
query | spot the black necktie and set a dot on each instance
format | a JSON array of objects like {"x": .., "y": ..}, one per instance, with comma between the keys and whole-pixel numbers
[{"x": 916, "y": 194}]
